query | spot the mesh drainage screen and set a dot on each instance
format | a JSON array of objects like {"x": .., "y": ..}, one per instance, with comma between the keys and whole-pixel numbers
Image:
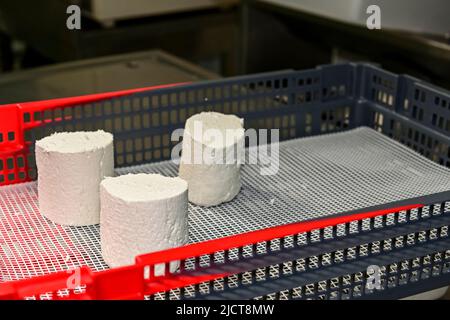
[{"x": 317, "y": 176}]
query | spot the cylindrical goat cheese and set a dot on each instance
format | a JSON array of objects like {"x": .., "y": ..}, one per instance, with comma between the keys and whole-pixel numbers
[
  {"x": 212, "y": 149},
  {"x": 141, "y": 213},
  {"x": 70, "y": 167}
]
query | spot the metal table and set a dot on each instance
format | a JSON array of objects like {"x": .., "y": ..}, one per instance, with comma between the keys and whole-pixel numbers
[{"x": 97, "y": 75}]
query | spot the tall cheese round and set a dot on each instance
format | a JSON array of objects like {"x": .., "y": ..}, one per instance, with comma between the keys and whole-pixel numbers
[
  {"x": 141, "y": 213},
  {"x": 71, "y": 166},
  {"x": 211, "y": 157}
]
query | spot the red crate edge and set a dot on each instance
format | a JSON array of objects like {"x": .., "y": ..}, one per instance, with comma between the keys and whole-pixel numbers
[
  {"x": 129, "y": 283},
  {"x": 14, "y": 148}
]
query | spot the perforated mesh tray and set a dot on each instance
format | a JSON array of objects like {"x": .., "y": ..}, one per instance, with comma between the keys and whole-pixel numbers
[{"x": 318, "y": 176}]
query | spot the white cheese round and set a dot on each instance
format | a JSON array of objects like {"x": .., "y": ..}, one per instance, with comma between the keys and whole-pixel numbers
[
  {"x": 141, "y": 213},
  {"x": 71, "y": 166},
  {"x": 211, "y": 155}
]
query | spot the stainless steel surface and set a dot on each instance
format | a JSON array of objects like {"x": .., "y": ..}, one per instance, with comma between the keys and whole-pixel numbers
[
  {"x": 419, "y": 16},
  {"x": 319, "y": 176},
  {"x": 305, "y": 40},
  {"x": 110, "y": 10},
  {"x": 104, "y": 74}
]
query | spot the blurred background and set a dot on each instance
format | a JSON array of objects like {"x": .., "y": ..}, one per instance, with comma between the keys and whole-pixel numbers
[{"x": 136, "y": 43}]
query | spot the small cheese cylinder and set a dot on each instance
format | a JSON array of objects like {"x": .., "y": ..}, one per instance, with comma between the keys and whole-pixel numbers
[
  {"x": 211, "y": 157},
  {"x": 70, "y": 167},
  {"x": 141, "y": 213}
]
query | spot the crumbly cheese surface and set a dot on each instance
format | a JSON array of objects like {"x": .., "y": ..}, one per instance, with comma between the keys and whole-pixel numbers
[
  {"x": 210, "y": 121},
  {"x": 74, "y": 142},
  {"x": 71, "y": 166},
  {"x": 141, "y": 213},
  {"x": 144, "y": 187},
  {"x": 212, "y": 183}
]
